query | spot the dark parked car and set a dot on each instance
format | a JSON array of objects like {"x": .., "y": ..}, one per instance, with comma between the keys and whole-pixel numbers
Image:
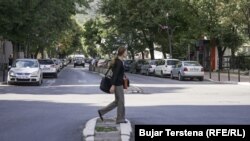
[
  {"x": 136, "y": 66},
  {"x": 79, "y": 61},
  {"x": 127, "y": 64}
]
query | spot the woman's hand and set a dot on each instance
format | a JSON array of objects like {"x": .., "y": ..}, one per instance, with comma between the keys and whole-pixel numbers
[{"x": 112, "y": 89}]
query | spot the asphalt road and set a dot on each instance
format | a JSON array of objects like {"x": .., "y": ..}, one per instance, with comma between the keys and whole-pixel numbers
[{"x": 58, "y": 110}]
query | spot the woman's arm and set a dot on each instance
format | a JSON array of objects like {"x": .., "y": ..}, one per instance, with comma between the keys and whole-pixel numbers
[{"x": 116, "y": 69}]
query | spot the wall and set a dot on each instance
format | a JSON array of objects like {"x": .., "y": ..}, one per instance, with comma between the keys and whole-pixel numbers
[{"x": 5, "y": 46}]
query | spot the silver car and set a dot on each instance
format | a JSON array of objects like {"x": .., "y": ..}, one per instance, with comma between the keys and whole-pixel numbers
[
  {"x": 25, "y": 71},
  {"x": 187, "y": 69},
  {"x": 149, "y": 67},
  {"x": 165, "y": 66},
  {"x": 48, "y": 67}
]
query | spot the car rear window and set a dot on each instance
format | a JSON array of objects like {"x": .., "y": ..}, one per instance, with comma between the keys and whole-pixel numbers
[
  {"x": 191, "y": 64},
  {"x": 46, "y": 62},
  {"x": 172, "y": 62}
]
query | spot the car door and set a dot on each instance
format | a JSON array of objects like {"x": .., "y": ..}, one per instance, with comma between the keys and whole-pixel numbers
[
  {"x": 144, "y": 67},
  {"x": 162, "y": 66},
  {"x": 158, "y": 67},
  {"x": 176, "y": 69}
]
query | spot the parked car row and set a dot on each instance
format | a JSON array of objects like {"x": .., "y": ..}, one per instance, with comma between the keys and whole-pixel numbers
[
  {"x": 173, "y": 68},
  {"x": 34, "y": 70}
]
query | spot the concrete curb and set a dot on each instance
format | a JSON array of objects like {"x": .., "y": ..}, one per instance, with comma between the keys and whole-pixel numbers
[
  {"x": 126, "y": 131},
  {"x": 3, "y": 83},
  {"x": 244, "y": 83},
  {"x": 89, "y": 130},
  {"x": 222, "y": 82}
]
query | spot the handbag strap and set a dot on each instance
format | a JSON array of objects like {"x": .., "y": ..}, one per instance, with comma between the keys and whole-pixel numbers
[{"x": 107, "y": 71}]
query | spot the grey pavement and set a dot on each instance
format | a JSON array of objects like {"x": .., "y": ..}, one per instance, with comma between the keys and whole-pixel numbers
[
  {"x": 225, "y": 77},
  {"x": 59, "y": 109},
  {"x": 1, "y": 77}
]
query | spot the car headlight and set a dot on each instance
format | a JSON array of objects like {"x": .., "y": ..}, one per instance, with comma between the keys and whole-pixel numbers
[
  {"x": 36, "y": 73},
  {"x": 12, "y": 73}
]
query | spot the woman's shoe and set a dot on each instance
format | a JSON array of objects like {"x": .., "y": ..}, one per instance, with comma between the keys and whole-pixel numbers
[
  {"x": 100, "y": 115},
  {"x": 118, "y": 122}
]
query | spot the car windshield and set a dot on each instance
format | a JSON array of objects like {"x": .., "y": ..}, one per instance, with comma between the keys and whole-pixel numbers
[
  {"x": 172, "y": 62},
  {"x": 191, "y": 64},
  {"x": 46, "y": 62},
  {"x": 25, "y": 64}
]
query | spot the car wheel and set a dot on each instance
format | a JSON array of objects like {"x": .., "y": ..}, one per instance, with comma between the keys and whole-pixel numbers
[
  {"x": 147, "y": 73},
  {"x": 171, "y": 75},
  {"x": 180, "y": 77},
  {"x": 201, "y": 78},
  {"x": 55, "y": 75},
  {"x": 39, "y": 83},
  {"x": 162, "y": 74},
  {"x": 134, "y": 71},
  {"x": 9, "y": 83}
]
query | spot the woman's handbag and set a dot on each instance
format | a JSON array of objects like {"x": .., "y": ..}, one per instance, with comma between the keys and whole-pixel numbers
[
  {"x": 106, "y": 82},
  {"x": 125, "y": 82}
]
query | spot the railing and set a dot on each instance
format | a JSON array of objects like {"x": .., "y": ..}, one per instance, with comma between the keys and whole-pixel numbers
[{"x": 231, "y": 66}]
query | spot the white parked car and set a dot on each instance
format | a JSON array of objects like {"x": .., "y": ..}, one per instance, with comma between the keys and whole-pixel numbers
[
  {"x": 48, "y": 67},
  {"x": 188, "y": 69},
  {"x": 149, "y": 67},
  {"x": 25, "y": 71},
  {"x": 58, "y": 64},
  {"x": 165, "y": 66}
]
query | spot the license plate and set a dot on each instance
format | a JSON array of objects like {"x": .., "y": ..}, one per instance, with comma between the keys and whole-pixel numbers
[
  {"x": 22, "y": 77},
  {"x": 194, "y": 69},
  {"x": 46, "y": 68}
]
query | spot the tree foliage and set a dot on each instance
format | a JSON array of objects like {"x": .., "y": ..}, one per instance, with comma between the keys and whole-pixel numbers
[{"x": 39, "y": 23}]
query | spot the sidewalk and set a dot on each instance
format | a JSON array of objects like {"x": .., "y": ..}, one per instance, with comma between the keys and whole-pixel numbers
[
  {"x": 107, "y": 130},
  {"x": 224, "y": 77},
  {"x": 1, "y": 77}
]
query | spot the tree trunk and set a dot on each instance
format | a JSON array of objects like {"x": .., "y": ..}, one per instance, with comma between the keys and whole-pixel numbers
[
  {"x": 42, "y": 52},
  {"x": 232, "y": 64},
  {"x": 142, "y": 54},
  {"x": 132, "y": 54},
  {"x": 14, "y": 50},
  {"x": 221, "y": 52},
  {"x": 249, "y": 30},
  {"x": 164, "y": 52},
  {"x": 151, "y": 49},
  {"x": 150, "y": 43},
  {"x": 37, "y": 51},
  {"x": 220, "y": 61}
]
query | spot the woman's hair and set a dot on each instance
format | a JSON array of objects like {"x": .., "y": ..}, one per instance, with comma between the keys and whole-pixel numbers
[{"x": 120, "y": 52}]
